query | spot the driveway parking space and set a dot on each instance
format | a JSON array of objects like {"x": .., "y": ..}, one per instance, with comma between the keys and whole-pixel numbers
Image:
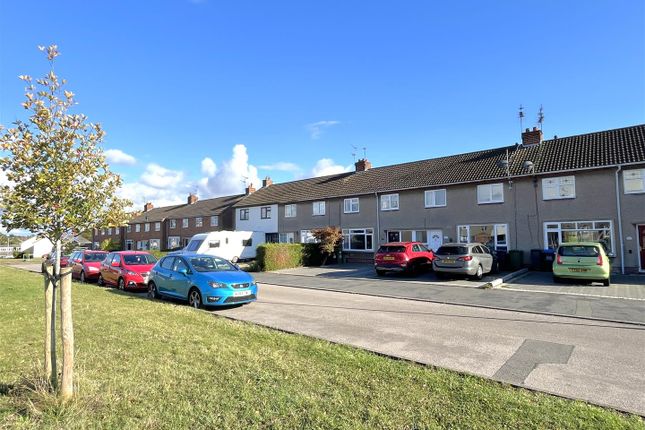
[{"x": 622, "y": 286}]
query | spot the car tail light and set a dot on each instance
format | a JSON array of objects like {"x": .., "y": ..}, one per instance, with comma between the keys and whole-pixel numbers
[
  {"x": 599, "y": 260},
  {"x": 466, "y": 258},
  {"x": 558, "y": 260}
]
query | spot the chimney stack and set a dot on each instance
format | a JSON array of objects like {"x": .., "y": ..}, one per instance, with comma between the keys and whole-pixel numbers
[
  {"x": 532, "y": 137},
  {"x": 250, "y": 189},
  {"x": 362, "y": 165},
  {"x": 266, "y": 182},
  {"x": 192, "y": 198},
  {"x": 147, "y": 206}
]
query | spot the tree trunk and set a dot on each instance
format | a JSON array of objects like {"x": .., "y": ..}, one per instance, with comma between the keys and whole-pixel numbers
[
  {"x": 50, "y": 347},
  {"x": 67, "y": 327}
]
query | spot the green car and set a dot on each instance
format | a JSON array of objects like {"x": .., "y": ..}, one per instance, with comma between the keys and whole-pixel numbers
[{"x": 586, "y": 261}]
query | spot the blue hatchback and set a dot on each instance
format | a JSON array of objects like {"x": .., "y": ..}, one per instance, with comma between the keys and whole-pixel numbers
[{"x": 202, "y": 280}]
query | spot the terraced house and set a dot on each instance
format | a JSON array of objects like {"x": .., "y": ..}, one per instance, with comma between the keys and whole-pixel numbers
[{"x": 532, "y": 195}]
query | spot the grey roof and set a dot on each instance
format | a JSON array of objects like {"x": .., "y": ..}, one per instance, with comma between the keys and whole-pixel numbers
[
  {"x": 592, "y": 150},
  {"x": 207, "y": 207},
  {"x": 154, "y": 214}
]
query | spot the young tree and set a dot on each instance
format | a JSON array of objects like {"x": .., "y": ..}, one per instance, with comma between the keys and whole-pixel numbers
[
  {"x": 329, "y": 238},
  {"x": 59, "y": 183}
]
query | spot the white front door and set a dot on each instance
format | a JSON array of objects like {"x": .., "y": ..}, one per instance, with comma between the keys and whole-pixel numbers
[{"x": 435, "y": 239}]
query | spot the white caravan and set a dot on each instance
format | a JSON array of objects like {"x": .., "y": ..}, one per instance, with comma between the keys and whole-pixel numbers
[{"x": 231, "y": 245}]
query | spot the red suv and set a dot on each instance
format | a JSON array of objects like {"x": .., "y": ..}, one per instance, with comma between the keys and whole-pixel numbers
[
  {"x": 127, "y": 269},
  {"x": 85, "y": 264},
  {"x": 411, "y": 257}
]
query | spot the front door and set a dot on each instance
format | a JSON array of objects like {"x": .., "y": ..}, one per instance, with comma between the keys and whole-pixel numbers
[
  {"x": 641, "y": 246},
  {"x": 435, "y": 239}
]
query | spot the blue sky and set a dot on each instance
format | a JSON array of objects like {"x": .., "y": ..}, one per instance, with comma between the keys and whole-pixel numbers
[{"x": 203, "y": 93}]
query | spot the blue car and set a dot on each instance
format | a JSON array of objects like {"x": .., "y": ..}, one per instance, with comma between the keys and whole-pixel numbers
[{"x": 202, "y": 280}]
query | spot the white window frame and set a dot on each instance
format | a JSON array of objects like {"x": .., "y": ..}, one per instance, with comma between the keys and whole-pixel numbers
[
  {"x": 557, "y": 227},
  {"x": 157, "y": 226},
  {"x": 496, "y": 244},
  {"x": 172, "y": 240},
  {"x": 154, "y": 244},
  {"x": 290, "y": 211},
  {"x": 109, "y": 231},
  {"x": 117, "y": 231},
  {"x": 318, "y": 208},
  {"x": 214, "y": 221},
  {"x": 184, "y": 223},
  {"x": 287, "y": 237},
  {"x": 347, "y": 238},
  {"x": 137, "y": 228},
  {"x": 129, "y": 229},
  {"x": 146, "y": 227},
  {"x": 390, "y": 202},
  {"x": 351, "y": 205},
  {"x": 173, "y": 223},
  {"x": 430, "y": 198},
  {"x": 199, "y": 221},
  {"x": 244, "y": 214},
  {"x": 555, "y": 188},
  {"x": 487, "y": 189},
  {"x": 636, "y": 175},
  {"x": 307, "y": 237}
]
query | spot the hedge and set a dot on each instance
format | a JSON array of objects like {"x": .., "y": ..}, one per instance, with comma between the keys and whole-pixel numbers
[{"x": 275, "y": 256}]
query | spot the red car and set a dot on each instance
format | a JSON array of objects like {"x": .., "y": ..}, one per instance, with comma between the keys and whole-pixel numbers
[
  {"x": 411, "y": 257},
  {"x": 64, "y": 259},
  {"x": 127, "y": 269},
  {"x": 85, "y": 264}
]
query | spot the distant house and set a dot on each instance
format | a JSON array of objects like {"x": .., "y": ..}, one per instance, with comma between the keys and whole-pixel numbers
[{"x": 36, "y": 246}]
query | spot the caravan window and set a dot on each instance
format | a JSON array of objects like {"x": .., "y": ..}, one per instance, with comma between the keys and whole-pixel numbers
[
  {"x": 213, "y": 244},
  {"x": 194, "y": 245},
  {"x": 247, "y": 242}
]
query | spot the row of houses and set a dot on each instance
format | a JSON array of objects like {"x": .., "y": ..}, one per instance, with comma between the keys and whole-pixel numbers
[{"x": 532, "y": 195}]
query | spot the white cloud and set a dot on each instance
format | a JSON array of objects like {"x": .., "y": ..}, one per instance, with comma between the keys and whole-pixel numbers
[
  {"x": 234, "y": 173},
  {"x": 159, "y": 177},
  {"x": 140, "y": 193},
  {"x": 326, "y": 166},
  {"x": 208, "y": 167},
  {"x": 282, "y": 166},
  {"x": 116, "y": 156},
  {"x": 316, "y": 129}
]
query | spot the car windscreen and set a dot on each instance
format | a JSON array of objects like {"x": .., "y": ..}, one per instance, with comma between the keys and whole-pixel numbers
[
  {"x": 384, "y": 249},
  {"x": 210, "y": 264},
  {"x": 578, "y": 251},
  {"x": 452, "y": 250},
  {"x": 138, "y": 259},
  {"x": 95, "y": 256}
]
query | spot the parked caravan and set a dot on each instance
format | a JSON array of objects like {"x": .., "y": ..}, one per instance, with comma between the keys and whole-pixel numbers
[{"x": 231, "y": 245}]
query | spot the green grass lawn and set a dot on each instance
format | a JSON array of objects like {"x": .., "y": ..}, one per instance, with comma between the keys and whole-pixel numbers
[{"x": 153, "y": 365}]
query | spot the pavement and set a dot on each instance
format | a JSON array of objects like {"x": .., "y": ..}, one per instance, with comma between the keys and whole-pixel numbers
[{"x": 598, "y": 362}]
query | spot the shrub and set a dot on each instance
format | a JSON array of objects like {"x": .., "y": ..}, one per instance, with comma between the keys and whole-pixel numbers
[
  {"x": 275, "y": 256},
  {"x": 329, "y": 240},
  {"x": 158, "y": 254},
  {"x": 311, "y": 255}
]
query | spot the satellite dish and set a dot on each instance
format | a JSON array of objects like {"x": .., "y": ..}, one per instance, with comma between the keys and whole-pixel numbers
[{"x": 528, "y": 165}]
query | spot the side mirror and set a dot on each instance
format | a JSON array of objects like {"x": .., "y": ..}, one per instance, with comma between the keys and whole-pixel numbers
[
  {"x": 611, "y": 255},
  {"x": 183, "y": 271}
]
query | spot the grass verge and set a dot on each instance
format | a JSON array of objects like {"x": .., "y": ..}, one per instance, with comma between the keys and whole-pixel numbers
[{"x": 157, "y": 365}]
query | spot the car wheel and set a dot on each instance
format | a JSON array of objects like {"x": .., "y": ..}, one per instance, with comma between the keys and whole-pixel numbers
[
  {"x": 121, "y": 284},
  {"x": 100, "y": 282},
  {"x": 495, "y": 267},
  {"x": 606, "y": 282},
  {"x": 81, "y": 277},
  {"x": 195, "y": 298},
  {"x": 153, "y": 294},
  {"x": 480, "y": 273},
  {"x": 380, "y": 272}
]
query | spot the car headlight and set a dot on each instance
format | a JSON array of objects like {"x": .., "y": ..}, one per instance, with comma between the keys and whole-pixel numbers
[{"x": 217, "y": 284}]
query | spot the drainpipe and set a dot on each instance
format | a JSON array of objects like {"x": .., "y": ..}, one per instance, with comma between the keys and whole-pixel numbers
[
  {"x": 378, "y": 223},
  {"x": 620, "y": 223}
]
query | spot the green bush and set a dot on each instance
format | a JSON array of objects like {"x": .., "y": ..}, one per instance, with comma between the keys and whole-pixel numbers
[
  {"x": 158, "y": 254},
  {"x": 311, "y": 255},
  {"x": 275, "y": 256}
]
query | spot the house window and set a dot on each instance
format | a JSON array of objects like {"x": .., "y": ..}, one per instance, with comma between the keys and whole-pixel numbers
[
  {"x": 157, "y": 226},
  {"x": 265, "y": 212},
  {"x": 146, "y": 227},
  {"x": 490, "y": 193},
  {"x": 494, "y": 236},
  {"x": 173, "y": 242},
  {"x": 289, "y": 211},
  {"x": 154, "y": 244},
  {"x": 319, "y": 208},
  {"x": 351, "y": 205},
  {"x": 184, "y": 223},
  {"x": 214, "y": 221},
  {"x": 199, "y": 221},
  {"x": 109, "y": 231},
  {"x": 143, "y": 245},
  {"x": 634, "y": 181},
  {"x": 173, "y": 223},
  {"x": 137, "y": 228},
  {"x": 117, "y": 231},
  {"x": 102, "y": 232},
  {"x": 360, "y": 239},
  {"x": 307, "y": 237},
  {"x": 244, "y": 214},
  {"x": 390, "y": 202},
  {"x": 128, "y": 229},
  {"x": 563, "y": 187},
  {"x": 556, "y": 233},
  {"x": 435, "y": 198},
  {"x": 287, "y": 237}
]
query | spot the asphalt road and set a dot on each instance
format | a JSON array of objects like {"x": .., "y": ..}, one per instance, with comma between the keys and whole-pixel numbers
[{"x": 599, "y": 362}]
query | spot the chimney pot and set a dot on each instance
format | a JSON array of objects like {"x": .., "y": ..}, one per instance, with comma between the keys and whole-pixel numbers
[
  {"x": 362, "y": 165},
  {"x": 266, "y": 182},
  {"x": 147, "y": 206},
  {"x": 192, "y": 198},
  {"x": 250, "y": 189},
  {"x": 532, "y": 137}
]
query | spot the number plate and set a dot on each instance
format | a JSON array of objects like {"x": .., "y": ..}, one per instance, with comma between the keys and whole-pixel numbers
[
  {"x": 387, "y": 257},
  {"x": 577, "y": 269},
  {"x": 241, "y": 293},
  {"x": 447, "y": 260}
]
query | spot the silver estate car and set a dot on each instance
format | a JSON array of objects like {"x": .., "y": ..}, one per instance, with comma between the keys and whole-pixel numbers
[{"x": 469, "y": 259}]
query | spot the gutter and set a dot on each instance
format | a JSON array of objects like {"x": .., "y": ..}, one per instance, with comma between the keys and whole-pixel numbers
[{"x": 620, "y": 222}]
